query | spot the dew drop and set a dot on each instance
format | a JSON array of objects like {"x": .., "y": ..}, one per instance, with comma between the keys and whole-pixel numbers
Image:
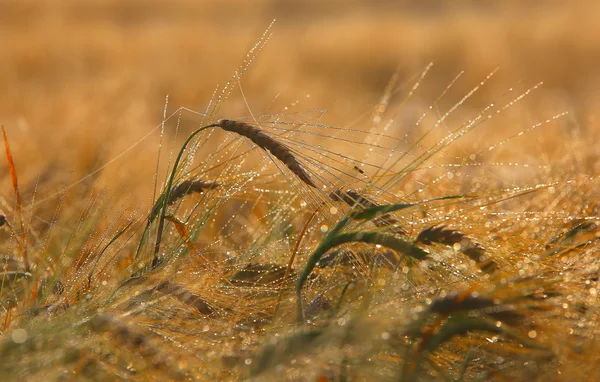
[{"x": 19, "y": 336}]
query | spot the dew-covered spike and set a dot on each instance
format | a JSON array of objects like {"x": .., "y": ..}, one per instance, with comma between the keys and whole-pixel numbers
[{"x": 264, "y": 141}]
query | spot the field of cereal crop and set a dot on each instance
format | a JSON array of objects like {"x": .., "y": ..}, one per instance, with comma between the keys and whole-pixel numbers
[{"x": 299, "y": 190}]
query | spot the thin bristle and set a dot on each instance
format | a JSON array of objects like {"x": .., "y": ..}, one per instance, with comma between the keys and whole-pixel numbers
[{"x": 278, "y": 149}]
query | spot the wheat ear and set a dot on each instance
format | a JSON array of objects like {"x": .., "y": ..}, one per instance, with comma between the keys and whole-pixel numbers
[
  {"x": 267, "y": 143},
  {"x": 279, "y": 151},
  {"x": 188, "y": 187},
  {"x": 353, "y": 198}
]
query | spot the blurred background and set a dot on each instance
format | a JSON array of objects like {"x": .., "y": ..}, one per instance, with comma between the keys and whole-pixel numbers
[{"x": 84, "y": 80}]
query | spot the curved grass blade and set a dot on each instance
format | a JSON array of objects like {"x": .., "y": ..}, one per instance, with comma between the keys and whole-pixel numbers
[
  {"x": 373, "y": 212},
  {"x": 160, "y": 207},
  {"x": 369, "y": 237},
  {"x": 457, "y": 326}
]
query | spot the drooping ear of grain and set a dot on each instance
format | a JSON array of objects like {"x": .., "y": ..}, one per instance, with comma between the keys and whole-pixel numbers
[
  {"x": 353, "y": 198},
  {"x": 188, "y": 187},
  {"x": 185, "y": 297},
  {"x": 443, "y": 235},
  {"x": 335, "y": 238},
  {"x": 278, "y": 149}
]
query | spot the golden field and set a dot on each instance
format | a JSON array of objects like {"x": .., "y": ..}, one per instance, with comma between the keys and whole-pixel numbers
[{"x": 424, "y": 205}]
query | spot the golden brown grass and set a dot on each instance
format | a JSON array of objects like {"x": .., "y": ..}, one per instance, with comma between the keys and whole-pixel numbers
[{"x": 453, "y": 234}]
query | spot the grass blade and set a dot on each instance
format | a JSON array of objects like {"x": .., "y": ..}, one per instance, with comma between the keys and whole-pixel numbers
[{"x": 15, "y": 184}]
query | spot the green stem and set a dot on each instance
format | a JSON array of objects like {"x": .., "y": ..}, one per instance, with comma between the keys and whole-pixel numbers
[
  {"x": 160, "y": 207},
  {"x": 167, "y": 193}
]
